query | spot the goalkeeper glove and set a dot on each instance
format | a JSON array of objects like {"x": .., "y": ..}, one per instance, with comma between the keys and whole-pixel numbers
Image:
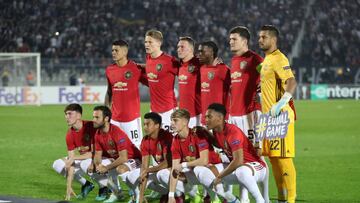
[{"x": 276, "y": 108}]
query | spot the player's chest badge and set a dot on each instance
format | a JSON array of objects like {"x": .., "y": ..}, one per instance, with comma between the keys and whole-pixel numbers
[
  {"x": 111, "y": 143},
  {"x": 128, "y": 74},
  {"x": 211, "y": 75},
  {"x": 159, "y": 147},
  {"x": 87, "y": 138},
  {"x": 159, "y": 67},
  {"x": 243, "y": 64},
  {"x": 191, "y": 68},
  {"x": 191, "y": 148}
]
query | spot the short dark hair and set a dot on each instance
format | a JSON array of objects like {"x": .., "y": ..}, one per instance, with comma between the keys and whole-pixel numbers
[
  {"x": 212, "y": 45},
  {"x": 220, "y": 108},
  {"x": 242, "y": 31},
  {"x": 73, "y": 107},
  {"x": 272, "y": 30},
  {"x": 121, "y": 43},
  {"x": 105, "y": 110},
  {"x": 188, "y": 39},
  {"x": 155, "y": 117}
]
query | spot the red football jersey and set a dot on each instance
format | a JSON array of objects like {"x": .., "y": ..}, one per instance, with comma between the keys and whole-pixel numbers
[
  {"x": 189, "y": 87},
  {"x": 124, "y": 83},
  {"x": 232, "y": 139},
  {"x": 114, "y": 141},
  {"x": 157, "y": 147},
  {"x": 244, "y": 81},
  {"x": 82, "y": 139},
  {"x": 215, "y": 84},
  {"x": 189, "y": 149},
  {"x": 161, "y": 73}
]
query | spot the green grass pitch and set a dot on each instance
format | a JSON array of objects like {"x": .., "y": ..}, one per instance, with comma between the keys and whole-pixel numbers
[{"x": 327, "y": 157}]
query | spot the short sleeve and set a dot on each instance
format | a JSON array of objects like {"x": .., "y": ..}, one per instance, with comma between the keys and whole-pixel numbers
[
  {"x": 283, "y": 70},
  {"x": 70, "y": 141},
  {"x": 175, "y": 149},
  {"x": 202, "y": 143},
  {"x": 121, "y": 141},
  {"x": 144, "y": 148}
]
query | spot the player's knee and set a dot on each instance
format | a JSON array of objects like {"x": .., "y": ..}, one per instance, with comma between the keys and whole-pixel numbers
[
  {"x": 84, "y": 165},
  {"x": 198, "y": 172},
  {"x": 243, "y": 172},
  {"x": 163, "y": 176},
  {"x": 122, "y": 169},
  {"x": 58, "y": 165}
]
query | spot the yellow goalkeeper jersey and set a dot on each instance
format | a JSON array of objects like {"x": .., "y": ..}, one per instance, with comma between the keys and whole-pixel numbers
[{"x": 274, "y": 72}]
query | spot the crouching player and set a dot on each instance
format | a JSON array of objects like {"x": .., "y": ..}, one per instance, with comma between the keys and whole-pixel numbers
[
  {"x": 245, "y": 167},
  {"x": 189, "y": 149},
  {"x": 79, "y": 139},
  {"x": 156, "y": 143},
  {"x": 115, "y": 154}
]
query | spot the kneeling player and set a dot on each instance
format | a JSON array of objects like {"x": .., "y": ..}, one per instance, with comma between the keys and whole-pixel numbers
[
  {"x": 189, "y": 149},
  {"x": 78, "y": 140},
  {"x": 245, "y": 167},
  {"x": 115, "y": 153}
]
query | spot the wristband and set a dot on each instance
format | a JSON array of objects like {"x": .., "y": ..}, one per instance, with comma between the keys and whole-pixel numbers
[
  {"x": 184, "y": 164},
  {"x": 171, "y": 194}
]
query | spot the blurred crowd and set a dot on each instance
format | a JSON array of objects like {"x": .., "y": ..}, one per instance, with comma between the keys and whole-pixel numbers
[{"x": 74, "y": 37}]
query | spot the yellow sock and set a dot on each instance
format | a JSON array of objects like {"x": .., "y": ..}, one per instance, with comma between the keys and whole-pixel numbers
[{"x": 288, "y": 176}]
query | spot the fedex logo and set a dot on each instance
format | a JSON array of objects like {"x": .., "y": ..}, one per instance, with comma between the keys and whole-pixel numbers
[
  {"x": 25, "y": 96},
  {"x": 85, "y": 95}
]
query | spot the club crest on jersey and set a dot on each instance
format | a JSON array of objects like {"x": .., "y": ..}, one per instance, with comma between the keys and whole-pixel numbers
[
  {"x": 159, "y": 67},
  {"x": 128, "y": 74},
  {"x": 191, "y": 148},
  {"x": 111, "y": 143},
  {"x": 243, "y": 64},
  {"x": 211, "y": 75},
  {"x": 159, "y": 146},
  {"x": 191, "y": 68}
]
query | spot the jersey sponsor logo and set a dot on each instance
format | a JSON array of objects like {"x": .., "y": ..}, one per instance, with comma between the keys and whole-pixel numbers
[
  {"x": 182, "y": 77},
  {"x": 159, "y": 67},
  {"x": 287, "y": 68},
  {"x": 205, "y": 85},
  {"x": 120, "y": 85},
  {"x": 211, "y": 75},
  {"x": 243, "y": 64},
  {"x": 191, "y": 68},
  {"x": 128, "y": 74},
  {"x": 151, "y": 76},
  {"x": 235, "y": 75}
]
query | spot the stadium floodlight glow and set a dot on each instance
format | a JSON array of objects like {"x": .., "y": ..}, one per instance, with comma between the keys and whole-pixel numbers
[{"x": 24, "y": 71}]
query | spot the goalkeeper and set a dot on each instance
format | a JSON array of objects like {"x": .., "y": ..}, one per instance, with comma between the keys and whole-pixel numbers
[{"x": 277, "y": 87}]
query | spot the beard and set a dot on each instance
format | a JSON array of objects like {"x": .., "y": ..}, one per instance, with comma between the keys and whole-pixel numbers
[{"x": 99, "y": 126}]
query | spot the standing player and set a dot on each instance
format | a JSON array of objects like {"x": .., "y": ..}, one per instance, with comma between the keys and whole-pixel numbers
[
  {"x": 123, "y": 82},
  {"x": 115, "y": 154},
  {"x": 245, "y": 167},
  {"x": 244, "y": 110},
  {"x": 215, "y": 79},
  {"x": 277, "y": 87},
  {"x": 161, "y": 70},
  {"x": 79, "y": 139},
  {"x": 155, "y": 144},
  {"x": 244, "y": 81},
  {"x": 189, "y": 80}
]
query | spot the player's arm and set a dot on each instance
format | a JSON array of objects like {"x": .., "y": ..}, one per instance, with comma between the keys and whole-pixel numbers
[
  {"x": 97, "y": 158},
  {"x": 143, "y": 176},
  {"x": 287, "y": 96},
  {"x": 108, "y": 95},
  {"x": 238, "y": 159},
  {"x": 123, "y": 157},
  {"x": 203, "y": 160},
  {"x": 86, "y": 155},
  {"x": 69, "y": 179},
  {"x": 174, "y": 176}
]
